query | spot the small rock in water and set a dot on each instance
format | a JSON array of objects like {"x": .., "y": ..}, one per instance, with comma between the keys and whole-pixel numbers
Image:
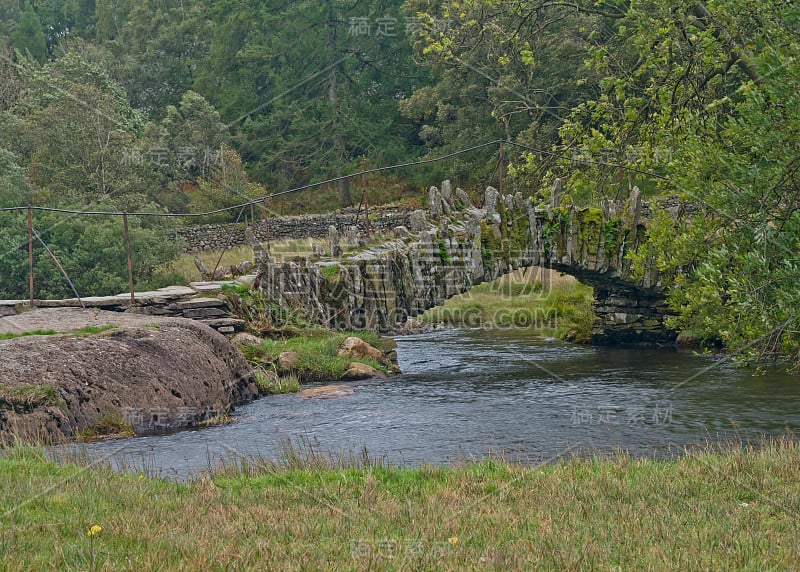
[
  {"x": 357, "y": 371},
  {"x": 287, "y": 361},
  {"x": 327, "y": 392}
]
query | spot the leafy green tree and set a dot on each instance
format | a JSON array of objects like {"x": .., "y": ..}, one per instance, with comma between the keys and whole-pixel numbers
[
  {"x": 9, "y": 19},
  {"x": 194, "y": 135},
  {"x": 159, "y": 46},
  {"x": 714, "y": 89},
  {"x": 503, "y": 71},
  {"x": 28, "y": 36},
  {"x": 75, "y": 131},
  {"x": 14, "y": 189},
  {"x": 91, "y": 250}
]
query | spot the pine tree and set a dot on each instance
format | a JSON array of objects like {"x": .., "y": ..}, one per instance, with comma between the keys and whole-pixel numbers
[{"x": 28, "y": 36}]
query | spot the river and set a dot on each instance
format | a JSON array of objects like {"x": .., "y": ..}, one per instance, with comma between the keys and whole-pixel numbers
[{"x": 464, "y": 394}]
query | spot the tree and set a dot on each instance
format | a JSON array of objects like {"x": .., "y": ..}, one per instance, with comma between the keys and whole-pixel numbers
[
  {"x": 714, "y": 88},
  {"x": 9, "y": 19},
  {"x": 28, "y": 36},
  {"x": 194, "y": 135},
  {"x": 77, "y": 131},
  {"x": 503, "y": 71},
  {"x": 308, "y": 95},
  {"x": 159, "y": 46}
]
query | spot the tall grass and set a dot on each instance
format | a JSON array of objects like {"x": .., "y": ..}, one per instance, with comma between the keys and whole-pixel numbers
[{"x": 732, "y": 508}]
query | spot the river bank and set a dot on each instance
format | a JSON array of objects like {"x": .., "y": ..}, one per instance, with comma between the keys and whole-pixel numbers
[
  {"x": 69, "y": 373},
  {"x": 733, "y": 508}
]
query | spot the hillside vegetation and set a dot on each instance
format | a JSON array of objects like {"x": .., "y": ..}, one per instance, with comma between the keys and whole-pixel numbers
[{"x": 194, "y": 105}]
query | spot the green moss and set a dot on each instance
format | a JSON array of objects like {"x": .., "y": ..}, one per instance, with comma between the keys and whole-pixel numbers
[
  {"x": 491, "y": 245},
  {"x": 517, "y": 234},
  {"x": 590, "y": 221},
  {"x": 591, "y": 215},
  {"x": 443, "y": 254},
  {"x": 331, "y": 272},
  {"x": 611, "y": 236}
]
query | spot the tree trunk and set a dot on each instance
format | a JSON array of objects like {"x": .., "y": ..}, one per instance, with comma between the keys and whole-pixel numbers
[{"x": 342, "y": 186}]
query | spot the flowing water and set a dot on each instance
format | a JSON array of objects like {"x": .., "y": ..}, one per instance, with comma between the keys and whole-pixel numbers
[{"x": 464, "y": 394}]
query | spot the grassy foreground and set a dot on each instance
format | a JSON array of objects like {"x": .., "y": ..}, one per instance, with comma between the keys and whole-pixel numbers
[{"x": 731, "y": 510}]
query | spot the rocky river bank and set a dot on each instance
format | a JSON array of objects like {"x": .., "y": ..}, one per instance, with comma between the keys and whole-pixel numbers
[{"x": 70, "y": 371}]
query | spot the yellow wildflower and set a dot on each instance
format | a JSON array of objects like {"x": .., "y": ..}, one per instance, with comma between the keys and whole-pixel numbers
[
  {"x": 453, "y": 540},
  {"x": 94, "y": 529}
]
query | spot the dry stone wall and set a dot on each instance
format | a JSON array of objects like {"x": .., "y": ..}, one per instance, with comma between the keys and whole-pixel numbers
[{"x": 217, "y": 236}]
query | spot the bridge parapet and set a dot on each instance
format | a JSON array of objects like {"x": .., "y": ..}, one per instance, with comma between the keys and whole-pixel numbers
[{"x": 454, "y": 245}]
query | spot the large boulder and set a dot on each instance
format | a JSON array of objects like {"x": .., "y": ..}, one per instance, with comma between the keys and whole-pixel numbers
[{"x": 146, "y": 373}]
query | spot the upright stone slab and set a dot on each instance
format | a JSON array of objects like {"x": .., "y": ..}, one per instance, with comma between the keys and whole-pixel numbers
[
  {"x": 555, "y": 194},
  {"x": 434, "y": 202},
  {"x": 334, "y": 242},
  {"x": 490, "y": 197},
  {"x": 463, "y": 198},
  {"x": 417, "y": 221}
]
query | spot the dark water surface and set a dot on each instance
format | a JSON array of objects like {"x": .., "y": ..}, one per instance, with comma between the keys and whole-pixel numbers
[{"x": 466, "y": 393}]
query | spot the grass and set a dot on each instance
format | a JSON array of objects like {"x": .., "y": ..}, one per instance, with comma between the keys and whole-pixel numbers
[
  {"x": 535, "y": 299},
  {"x": 23, "y": 398},
  {"x": 92, "y": 330},
  {"x": 11, "y": 336},
  {"x": 280, "y": 250},
  {"x": 108, "y": 426},
  {"x": 731, "y": 509},
  {"x": 274, "y": 384},
  {"x": 317, "y": 349},
  {"x": 80, "y": 332}
]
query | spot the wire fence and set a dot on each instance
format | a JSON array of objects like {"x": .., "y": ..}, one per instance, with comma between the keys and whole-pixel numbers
[{"x": 33, "y": 235}]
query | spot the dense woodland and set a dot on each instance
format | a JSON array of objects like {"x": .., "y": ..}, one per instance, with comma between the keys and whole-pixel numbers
[{"x": 194, "y": 105}]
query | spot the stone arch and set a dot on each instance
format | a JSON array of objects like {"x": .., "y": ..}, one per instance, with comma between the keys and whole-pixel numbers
[{"x": 455, "y": 245}]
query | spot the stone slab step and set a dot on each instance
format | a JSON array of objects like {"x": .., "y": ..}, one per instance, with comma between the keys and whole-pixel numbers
[
  {"x": 202, "y": 302},
  {"x": 211, "y": 287},
  {"x": 195, "y": 313},
  {"x": 218, "y": 323}
]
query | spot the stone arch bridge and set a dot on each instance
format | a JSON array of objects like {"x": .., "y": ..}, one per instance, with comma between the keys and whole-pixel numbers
[{"x": 453, "y": 245}]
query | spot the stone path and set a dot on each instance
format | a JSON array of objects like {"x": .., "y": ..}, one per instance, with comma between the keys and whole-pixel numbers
[{"x": 199, "y": 301}]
